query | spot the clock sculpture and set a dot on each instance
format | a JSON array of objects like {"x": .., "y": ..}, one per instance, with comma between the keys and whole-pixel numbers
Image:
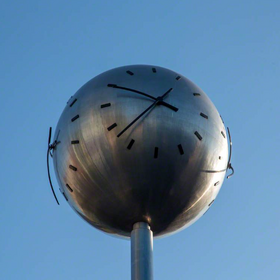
[{"x": 140, "y": 151}]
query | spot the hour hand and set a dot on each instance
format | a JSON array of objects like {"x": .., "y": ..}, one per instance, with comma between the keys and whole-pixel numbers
[
  {"x": 161, "y": 102},
  {"x": 168, "y": 106}
]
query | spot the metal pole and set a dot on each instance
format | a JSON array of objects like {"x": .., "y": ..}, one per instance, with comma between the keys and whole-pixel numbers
[{"x": 141, "y": 252}]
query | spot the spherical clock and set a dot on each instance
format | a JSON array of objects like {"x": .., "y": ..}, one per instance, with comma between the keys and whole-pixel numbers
[{"x": 140, "y": 144}]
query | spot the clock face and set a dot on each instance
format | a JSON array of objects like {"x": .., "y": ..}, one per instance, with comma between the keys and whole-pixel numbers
[{"x": 140, "y": 143}]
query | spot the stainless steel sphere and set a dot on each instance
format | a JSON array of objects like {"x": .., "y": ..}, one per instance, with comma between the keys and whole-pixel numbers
[{"x": 140, "y": 143}]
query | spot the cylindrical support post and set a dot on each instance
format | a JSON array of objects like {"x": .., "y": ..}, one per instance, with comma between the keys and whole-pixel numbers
[{"x": 141, "y": 252}]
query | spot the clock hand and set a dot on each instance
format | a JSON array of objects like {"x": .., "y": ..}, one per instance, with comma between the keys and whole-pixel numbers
[
  {"x": 161, "y": 102},
  {"x": 157, "y": 101},
  {"x": 127, "y": 127},
  {"x": 166, "y": 93},
  {"x": 168, "y": 106},
  {"x": 133, "y": 90},
  {"x": 145, "y": 94}
]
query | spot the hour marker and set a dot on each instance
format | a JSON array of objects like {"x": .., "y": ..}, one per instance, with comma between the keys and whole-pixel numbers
[
  {"x": 105, "y": 105},
  {"x": 112, "y": 126},
  {"x": 217, "y": 183},
  {"x": 196, "y": 94},
  {"x": 65, "y": 196},
  {"x": 203, "y": 115},
  {"x": 154, "y": 70},
  {"x": 211, "y": 202},
  {"x": 111, "y": 85},
  {"x": 74, "y": 101},
  {"x": 223, "y": 134},
  {"x": 69, "y": 99},
  {"x": 220, "y": 157},
  {"x": 181, "y": 151},
  {"x": 76, "y": 117},
  {"x": 69, "y": 188},
  {"x": 198, "y": 135},
  {"x": 206, "y": 211},
  {"x": 73, "y": 167},
  {"x": 156, "y": 152},
  {"x": 73, "y": 142},
  {"x": 130, "y": 73},
  {"x": 130, "y": 144},
  {"x": 178, "y": 78}
]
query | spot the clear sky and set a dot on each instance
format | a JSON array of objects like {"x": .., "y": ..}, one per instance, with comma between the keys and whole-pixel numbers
[{"x": 49, "y": 49}]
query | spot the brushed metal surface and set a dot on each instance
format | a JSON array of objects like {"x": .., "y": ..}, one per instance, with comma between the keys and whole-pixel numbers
[
  {"x": 141, "y": 252},
  {"x": 114, "y": 187}
]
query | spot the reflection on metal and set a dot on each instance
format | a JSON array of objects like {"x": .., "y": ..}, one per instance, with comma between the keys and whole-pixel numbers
[
  {"x": 141, "y": 252},
  {"x": 162, "y": 168},
  {"x": 140, "y": 155}
]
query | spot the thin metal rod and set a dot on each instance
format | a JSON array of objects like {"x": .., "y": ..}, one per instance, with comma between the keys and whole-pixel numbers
[{"x": 141, "y": 252}]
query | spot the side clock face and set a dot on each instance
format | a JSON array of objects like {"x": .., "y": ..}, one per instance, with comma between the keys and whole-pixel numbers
[{"x": 140, "y": 143}]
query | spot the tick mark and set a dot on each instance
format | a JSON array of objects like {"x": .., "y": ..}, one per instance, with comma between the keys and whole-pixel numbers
[
  {"x": 69, "y": 99},
  {"x": 69, "y": 188},
  {"x": 73, "y": 167},
  {"x": 206, "y": 211},
  {"x": 65, "y": 196},
  {"x": 156, "y": 152},
  {"x": 217, "y": 183},
  {"x": 211, "y": 202},
  {"x": 223, "y": 134},
  {"x": 112, "y": 126},
  {"x": 196, "y": 94},
  {"x": 204, "y": 116},
  {"x": 220, "y": 157},
  {"x": 130, "y": 73},
  {"x": 154, "y": 70},
  {"x": 178, "y": 78},
  {"x": 198, "y": 135},
  {"x": 181, "y": 151},
  {"x": 76, "y": 117},
  {"x": 105, "y": 105},
  {"x": 130, "y": 144},
  {"x": 73, "y": 142},
  {"x": 74, "y": 101}
]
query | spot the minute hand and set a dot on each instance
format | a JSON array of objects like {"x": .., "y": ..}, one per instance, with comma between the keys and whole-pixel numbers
[
  {"x": 133, "y": 90},
  {"x": 157, "y": 101},
  {"x": 135, "y": 120}
]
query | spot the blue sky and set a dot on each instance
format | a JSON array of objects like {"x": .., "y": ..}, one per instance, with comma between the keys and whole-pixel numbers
[{"x": 49, "y": 49}]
